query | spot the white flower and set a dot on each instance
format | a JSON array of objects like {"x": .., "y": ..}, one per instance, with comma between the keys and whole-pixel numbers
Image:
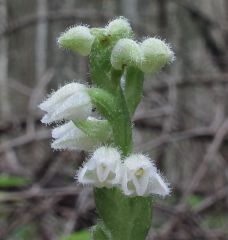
[
  {"x": 70, "y": 102},
  {"x": 103, "y": 169},
  {"x": 68, "y": 136},
  {"x": 140, "y": 177}
]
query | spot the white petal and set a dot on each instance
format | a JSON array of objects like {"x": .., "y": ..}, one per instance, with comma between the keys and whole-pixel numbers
[
  {"x": 118, "y": 173},
  {"x": 75, "y": 107},
  {"x": 84, "y": 176},
  {"x": 158, "y": 185},
  {"x": 62, "y": 130},
  {"x": 136, "y": 161},
  {"x": 141, "y": 184},
  {"x": 125, "y": 186},
  {"x": 60, "y": 95},
  {"x": 74, "y": 140},
  {"x": 102, "y": 172}
]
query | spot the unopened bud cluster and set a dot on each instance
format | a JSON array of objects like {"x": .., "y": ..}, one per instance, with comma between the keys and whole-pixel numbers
[
  {"x": 150, "y": 55},
  {"x": 135, "y": 175}
]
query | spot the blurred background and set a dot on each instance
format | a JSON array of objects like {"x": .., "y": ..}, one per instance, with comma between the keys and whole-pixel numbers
[{"x": 182, "y": 121}]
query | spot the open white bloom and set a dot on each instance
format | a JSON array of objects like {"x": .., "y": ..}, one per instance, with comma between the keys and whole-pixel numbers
[
  {"x": 103, "y": 169},
  {"x": 71, "y": 102},
  {"x": 68, "y": 136},
  {"x": 140, "y": 177}
]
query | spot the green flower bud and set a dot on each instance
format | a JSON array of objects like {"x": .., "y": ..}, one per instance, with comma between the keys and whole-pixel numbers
[
  {"x": 126, "y": 52},
  {"x": 119, "y": 28},
  {"x": 156, "y": 55},
  {"x": 78, "y": 39}
]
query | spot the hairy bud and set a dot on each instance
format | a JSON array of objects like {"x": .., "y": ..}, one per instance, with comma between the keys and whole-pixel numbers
[
  {"x": 126, "y": 52},
  {"x": 156, "y": 55},
  {"x": 119, "y": 28},
  {"x": 78, "y": 39}
]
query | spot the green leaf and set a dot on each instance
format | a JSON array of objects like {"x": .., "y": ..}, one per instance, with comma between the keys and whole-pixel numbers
[
  {"x": 133, "y": 88},
  {"x": 13, "y": 181},
  {"x": 126, "y": 218},
  {"x": 95, "y": 128},
  {"x": 82, "y": 235}
]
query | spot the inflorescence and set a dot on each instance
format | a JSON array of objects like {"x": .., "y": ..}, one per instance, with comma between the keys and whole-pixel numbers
[{"x": 135, "y": 174}]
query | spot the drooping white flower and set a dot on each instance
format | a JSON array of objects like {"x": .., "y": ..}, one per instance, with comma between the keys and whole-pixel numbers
[
  {"x": 140, "y": 177},
  {"x": 70, "y": 102},
  {"x": 68, "y": 136},
  {"x": 103, "y": 169}
]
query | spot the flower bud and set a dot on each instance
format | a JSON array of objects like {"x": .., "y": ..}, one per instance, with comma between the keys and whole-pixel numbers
[
  {"x": 103, "y": 169},
  {"x": 70, "y": 102},
  {"x": 119, "y": 28},
  {"x": 156, "y": 55},
  {"x": 78, "y": 39},
  {"x": 68, "y": 136},
  {"x": 140, "y": 177},
  {"x": 126, "y": 52}
]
